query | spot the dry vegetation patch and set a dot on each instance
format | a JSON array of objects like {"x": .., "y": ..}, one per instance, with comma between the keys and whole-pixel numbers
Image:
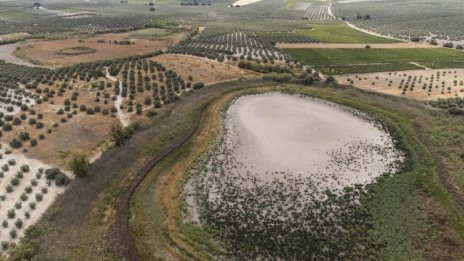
[
  {"x": 13, "y": 36},
  {"x": 77, "y": 50},
  {"x": 106, "y": 46},
  {"x": 416, "y": 84},
  {"x": 200, "y": 69}
]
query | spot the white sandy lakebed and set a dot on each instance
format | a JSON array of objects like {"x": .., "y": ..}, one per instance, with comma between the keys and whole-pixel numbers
[
  {"x": 290, "y": 134},
  {"x": 245, "y": 2},
  {"x": 278, "y": 144}
]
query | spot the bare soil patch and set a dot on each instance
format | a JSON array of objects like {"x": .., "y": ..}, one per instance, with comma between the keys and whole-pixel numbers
[
  {"x": 404, "y": 45},
  {"x": 45, "y": 51},
  {"x": 82, "y": 133},
  {"x": 200, "y": 69},
  {"x": 421, "y": 85}
]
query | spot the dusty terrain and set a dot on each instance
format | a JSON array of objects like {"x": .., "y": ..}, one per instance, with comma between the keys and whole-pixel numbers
[
  {"x": 283, "y": 133},
  {"x": 48, "y": 189},
  {"x": 82, "y": 133},
  {"x": 45, "y": 51},
  {"x": 416, "y": 84},
  {"x": 200, "y": 69},
  {"x": 404, "y": 45}
]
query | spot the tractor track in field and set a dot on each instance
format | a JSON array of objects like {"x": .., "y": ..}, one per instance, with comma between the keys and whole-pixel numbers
[{"x": 122, "y": 212}]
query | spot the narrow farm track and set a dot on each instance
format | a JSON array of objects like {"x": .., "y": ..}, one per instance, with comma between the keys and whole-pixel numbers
[
  {"x": 6, "y": 54},
  {"x": 420, "y": 65},
  {"x": 168, "y": 189},
  {"x": 446, "y": 178},
  {"x": 122, "y": 214},
  {"x": 121, "y": 115},
  {"x": 203, "y": 131}
]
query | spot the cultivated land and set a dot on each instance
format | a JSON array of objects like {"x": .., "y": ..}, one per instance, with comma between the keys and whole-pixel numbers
[
  {"x": 105, "y": 47},
  {"x": 419, "y": 85},
  {"x": 167, "y": 130},
  {"x": 344, "y": 61},
  {"x": 201, "y": 70},
  {"x": 419, "y": 18},
  {"x": 340, "y": 33},
  {"x": 407, "y": 45}
]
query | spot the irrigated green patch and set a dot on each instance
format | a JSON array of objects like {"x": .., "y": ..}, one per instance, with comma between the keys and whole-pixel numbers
[
  {"x": 342, "y": 61},
  {"x": 340, "y": 33}
]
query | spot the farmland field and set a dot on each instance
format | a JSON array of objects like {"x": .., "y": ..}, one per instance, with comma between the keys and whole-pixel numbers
[
  {"x": 406, "y": 19},
  {"x": 415, "y": 84},
  {"x": 105, "y": 46},
  {"x": 343, "y": 61},
  {"x": 231, "y": 130},
  {"x": 340, "y": 33}
]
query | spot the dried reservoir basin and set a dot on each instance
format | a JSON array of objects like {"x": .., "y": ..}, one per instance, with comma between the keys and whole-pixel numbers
[
  {"x": 285, "y": 150},
  {"x": 275, "y": 135}
]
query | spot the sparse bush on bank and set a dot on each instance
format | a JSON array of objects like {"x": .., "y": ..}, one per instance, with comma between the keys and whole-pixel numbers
[{"x": 79, "y": 165}]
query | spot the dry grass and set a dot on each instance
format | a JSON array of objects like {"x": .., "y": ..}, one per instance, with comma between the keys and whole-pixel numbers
[
  {"x": 45, "y": 51},
  {"x": 201, "y": 69}
]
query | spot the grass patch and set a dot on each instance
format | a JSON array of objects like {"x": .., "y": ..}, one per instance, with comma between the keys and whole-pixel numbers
[
  {"x": 340, "y": 33},
  {"x": 341, "y": 61},
  {"x": 149, "y": 33},
  {"x": 78, "y": 50}
]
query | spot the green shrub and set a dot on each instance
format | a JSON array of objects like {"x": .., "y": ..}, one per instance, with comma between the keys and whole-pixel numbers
[
  {"x": 277, "y": 77},
  {"x": 79, "y": 165},
  {"x": 15, "y": 143},
  {"x": 38, "y": 197},
  {"x": 11, "y": 213},
  {"x": 198, "y": 85},
  {"x": 60, "y": 180},
  {"x": 13, "y": 233},
  {"x": 19, "y": 223}
]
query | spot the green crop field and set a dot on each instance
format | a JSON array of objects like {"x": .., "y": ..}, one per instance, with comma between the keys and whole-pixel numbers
[
  {"x": 149, "y": 33},
  {"x": 341, "y": 61},
  {"x": 340, "y": 33}
]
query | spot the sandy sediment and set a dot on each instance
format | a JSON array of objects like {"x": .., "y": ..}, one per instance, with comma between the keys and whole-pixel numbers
[
  {"x": 245, "y": 2},
  {"x": 284, "y": 133}
]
